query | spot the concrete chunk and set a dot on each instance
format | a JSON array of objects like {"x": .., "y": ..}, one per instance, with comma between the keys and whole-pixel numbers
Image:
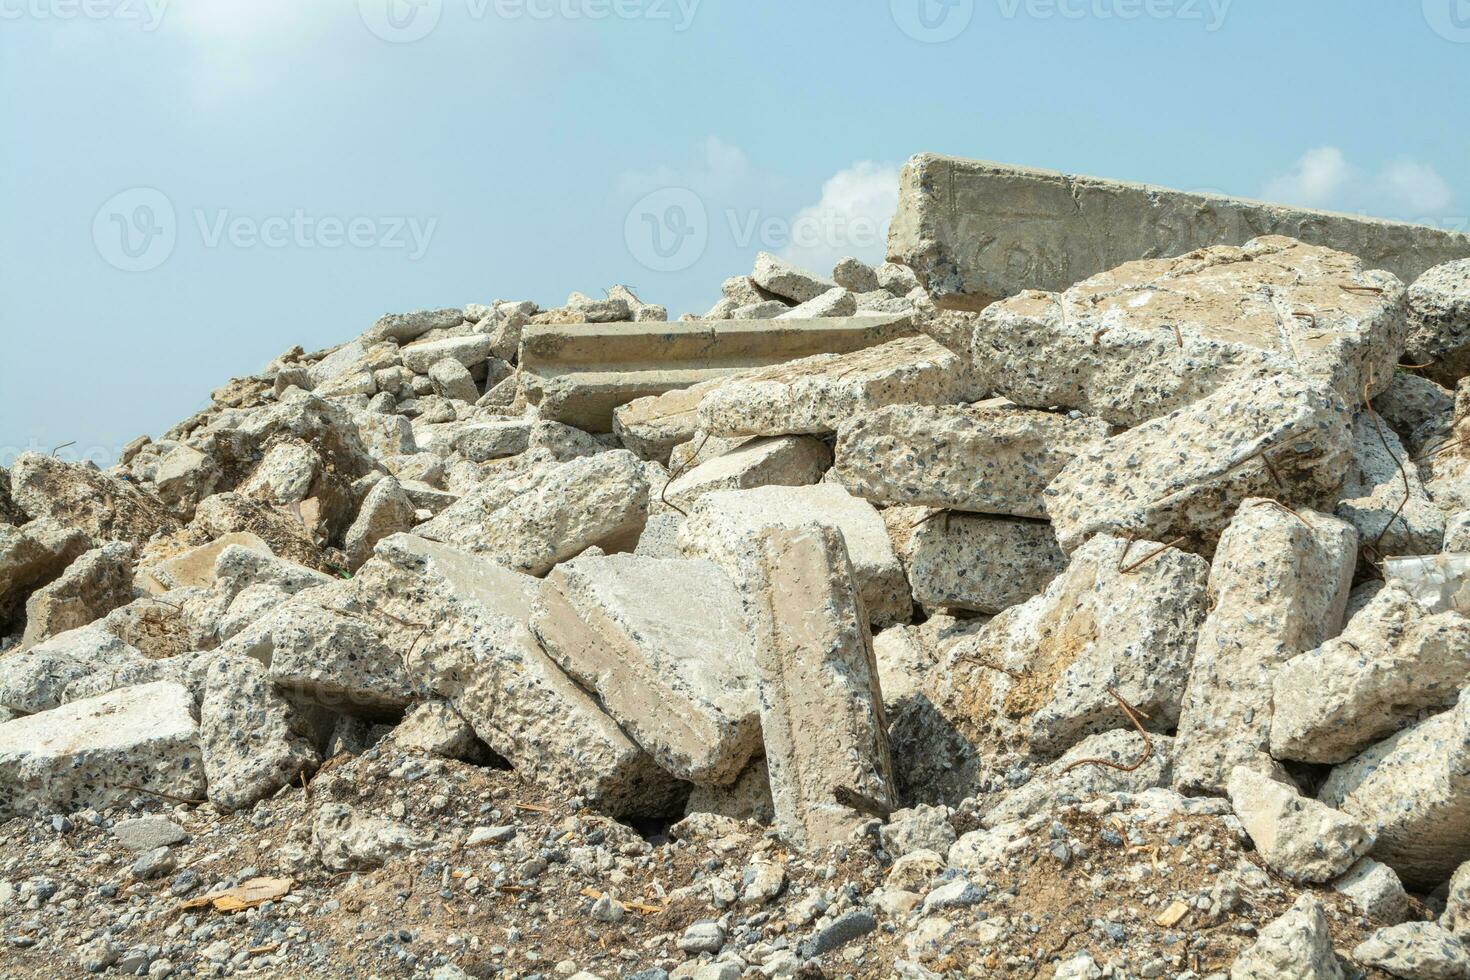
[
  {"x": 663, "y": 645},
  {"x": 1297, "y": 944},
  {"x": 196, "y": 566},
  {"x": 90, "y": 588},
  {"x": 973, "y": 561},
  {"x": 385, "y": 510},
  {"x": 467, "y": 351},
  {"x": 1392, "y": 662},
  {"x": 1374, "y": 495},
  {"x": 720, "y": 520},
  {"x": 972, "y": 458},
  {"x": 816, "y": 394},
  {"x": 253, "y": 741},
  {"x": 787, "y": 461},
  {"x": 1415, "y": 951},
  {"x": 597, "y": 500},
  {"x": 82, "y": 754},
  {"x": 821, "y": 710},
  {"x": 1279, "y": 585},
  {"x": 100, "y": 506},
  {"x": 1150, "y": 337},
  {"x": 1413, "y": 792},
  {"x": 1298, "y": 837},
  {"x": 1439, "y": 322},
  {"x": 977, "y": 231},
  {"x": 36, "y": 679},
  {"x": 580, "y": 373},
  {"x": 781, "y": 278},
  {"x": 1186, "y": 474},
  {"x": 481, "y": 656}
]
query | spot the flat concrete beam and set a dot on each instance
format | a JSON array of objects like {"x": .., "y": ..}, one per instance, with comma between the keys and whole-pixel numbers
[
  {"x": 976, "y": 232},
  {"x": 579, "y": 373}
]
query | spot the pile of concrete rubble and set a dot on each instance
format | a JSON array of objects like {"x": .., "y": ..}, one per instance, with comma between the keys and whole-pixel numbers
[{"x": 1116, "y": 630}]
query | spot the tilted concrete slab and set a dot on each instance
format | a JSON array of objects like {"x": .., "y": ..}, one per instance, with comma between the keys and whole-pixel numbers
[
  {"x": 580, "y": 373},
  {"x": 977, "y": 232}
]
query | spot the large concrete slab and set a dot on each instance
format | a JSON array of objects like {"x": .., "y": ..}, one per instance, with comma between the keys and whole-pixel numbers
[
  {"x": 580, "y": 373},
  {"x": 977, "y": 232}
]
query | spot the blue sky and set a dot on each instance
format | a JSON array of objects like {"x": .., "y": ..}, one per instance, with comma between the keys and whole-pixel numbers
[{"x": 190, "y": 187}]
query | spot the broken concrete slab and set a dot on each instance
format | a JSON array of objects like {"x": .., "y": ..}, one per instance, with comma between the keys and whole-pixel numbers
[
  {"x": 596, "y": 500},
  {"x": 817, "y": 394},
  {"x": 406, "y": 327},
  {"x": 82, "y": 497},
  {"x": 329, "y": 656},
  {"x": 1279, "y": 585},
  {"x": 663, "y": 645},
  {"x": 1183, "y": 476},
  {"x": 1439, "y": 322},
  {"x": 467, "y": 351},
  {"x": 1296, "y": 944},
  {"x": 36, "y": 679},
  {"x": 386, "y": 510},
  {"x": 1412, "y": 790},
  {"x": 1456, "y": 917},
  {"x": 1391, "y": 663},
  {"x": 90, "y": 588},
  {"x": 1384, "y": 497},
  {"x": 195, "y": 567},
  {"x": 720, "y": 520},
  {"x": 973, "y": 562},
  {"x": 98, "y": 752},
  {"x": 821, "y": 710},
  {"x": 653, "y": 426},
  {"x": 1376, "y": 890},
  {"x": 31, "y": 556},
  {"x": 452, "y": 380},
  {"x": 252, "y": 740},
  {"x": 787, "y": 281},
  {"x": 1298, "y": 837},
  {"x": 1129, "y": 766},
  {"x": 481, "y": 656},
  {"x": 976, "y": 231},
  {"x": 834, "y": 302},
  {"x": 1150, "y": 337},
  {"x": 1415, "y": 951},
  {"x": 478, "y": 439},
  {"x": 787, "y": 461},
  {"x": 579, "y": 374},
  {"x": 989, "y": 460}
]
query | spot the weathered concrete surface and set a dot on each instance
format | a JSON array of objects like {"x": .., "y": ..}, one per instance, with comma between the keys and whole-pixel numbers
[
  {"x": 1415, "y": 951},
  {"x": 1123, "y": 748},
  {"x": 32, "y": 555},
  {"x": 1412, "y": 790},
  {"x": 81, "y": 754},
  {"x": 1149, "y": 337},
  {"x": 1392, "y": 662},
  {"x": 253, "y": 741},
  {"x": 821, "y": 709},
  {"x": 1298, "y": 837},
  {"x": 1375, "y": 888},
  {"x": 36, "y": 679},
  {"x": 720, "y": 520},
  {"x": 481, "y": 656},
  {"x": 653, "y": 426},
  {"x": 195, "y": 567},
  {"x": 76, "y": 496},
  {"x": 91, "y": 587},
  {"x": 989, "y": 460},
  {"x": 1439, "y": 322},
  {"x": 976, "y": 232},
  {"x": 1297, "y": 944},
  {"x": 1374, "y": 494},
  {"x": 785, "y": 461},
  {"x": 596, "y": 500},
  {"x": 816, "y": 394},
  {"x": 663, "y": 644},
  {"x": 1185, "y": 474},
  {"x": 579, "y": 374},
  {"x": 385, "y": 511},
  {"x": 973, "y": 562},
  {"x": 1279, "y": 584}
]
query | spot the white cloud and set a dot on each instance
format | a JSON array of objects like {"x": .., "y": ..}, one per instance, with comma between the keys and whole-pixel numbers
[
  {"x": 1324, "y": 178},
  {"x": 850, "y": 219},
  {"x": 1318, "y": 179},
  {"x": 1417, "y": 187}
]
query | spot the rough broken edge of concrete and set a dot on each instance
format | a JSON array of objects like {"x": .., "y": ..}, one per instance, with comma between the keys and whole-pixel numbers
[{"x": 975, "y": 231}]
